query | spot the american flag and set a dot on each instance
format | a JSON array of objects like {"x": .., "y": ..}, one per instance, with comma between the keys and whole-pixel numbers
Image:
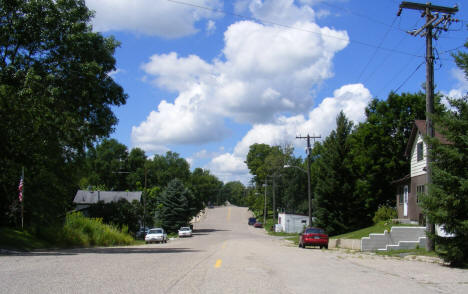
[{"x": 20, "y": 189}]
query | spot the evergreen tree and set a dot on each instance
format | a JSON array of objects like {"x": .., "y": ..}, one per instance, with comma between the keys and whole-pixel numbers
[
  {"x": 335, "y": 208},
  {"x": 174, "y": 206},
  {"x": 447, "y": 200}
]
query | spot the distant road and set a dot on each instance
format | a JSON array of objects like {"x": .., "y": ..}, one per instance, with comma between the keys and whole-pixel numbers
[{"x": 225, "y": 255}]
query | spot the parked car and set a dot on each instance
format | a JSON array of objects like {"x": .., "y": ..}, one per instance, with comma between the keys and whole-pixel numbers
[
  {"x": 258, "y": 225},
  {"x": 185, "y": 232},
  {"x": 313, "y": 237},
  {"x": 141, "y": 233},
  {"x": 157, "y": 235},
  {"x": 252, "y": 221}
]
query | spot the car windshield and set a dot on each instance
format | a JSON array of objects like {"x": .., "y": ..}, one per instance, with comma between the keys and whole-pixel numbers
[
  {"x": 315, "y": 231},
  {"x": 184, "y": 229},
  {"x": 155, "y": 231}
]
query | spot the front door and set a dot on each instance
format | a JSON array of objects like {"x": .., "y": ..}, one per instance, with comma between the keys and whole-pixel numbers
[{"x": 405, "y": 200}]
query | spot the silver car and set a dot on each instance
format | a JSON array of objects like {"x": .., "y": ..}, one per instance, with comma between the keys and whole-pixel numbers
[
  {"x": 156, "y": 235},
  {"x": 185, "y": 232}
]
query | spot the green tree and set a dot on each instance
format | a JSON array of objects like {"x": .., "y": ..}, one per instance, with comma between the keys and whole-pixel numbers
[
  {"x": 336, "y": 210},
  {"x": 447, "y": 200},
  {"x": 164, "y": 168},
  {"x": 205, "y": 186},
  {"x": 378, "y": 149},
  {"x": 136, "y": 166},
  {"x": 174, "y": 209},
  {"x": 108, "y": 165},
  {"x": 235, "y": 193},
  {"x": 256, "y": 162},
  {"x": 55, "y": 100}
]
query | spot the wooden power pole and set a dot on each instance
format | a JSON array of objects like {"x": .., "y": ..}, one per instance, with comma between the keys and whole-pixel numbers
[
  {"x": 309, "y": 192},
  {"x": 438, "y": 18}
]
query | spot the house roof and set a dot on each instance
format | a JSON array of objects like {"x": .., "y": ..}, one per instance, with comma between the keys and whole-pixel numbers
[
  {"x": 420, "y": 126},
  {"x": 402, "y": 180},
  {"x": 90, "y": 197}
]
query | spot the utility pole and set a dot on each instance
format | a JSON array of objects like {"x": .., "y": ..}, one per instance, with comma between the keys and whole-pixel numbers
[
  {"x": 144, "y": 201},
  {"x": 274, "y": 176},
  {"x": 439, "y": 23},
  {"x": 265, "y": 202},
  {"x": 309, "y": 192}
]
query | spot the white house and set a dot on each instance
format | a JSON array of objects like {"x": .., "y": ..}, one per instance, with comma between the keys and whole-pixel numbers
[{"x": 410, "y": 188}]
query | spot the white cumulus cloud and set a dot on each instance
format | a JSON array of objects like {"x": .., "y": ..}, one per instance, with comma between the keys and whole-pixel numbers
[
  {"x": 351, "y": 99},
  {"x": 265, "y": 71},
  {"x": 151, "y": 17}
]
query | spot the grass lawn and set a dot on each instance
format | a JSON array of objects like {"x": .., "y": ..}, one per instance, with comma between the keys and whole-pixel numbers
[
  {"x": 20, "y": 240},
  {"x": 378, "y": 228},
  {"x": 293, "y": 237},
  {"x": 404, "y": 252}
]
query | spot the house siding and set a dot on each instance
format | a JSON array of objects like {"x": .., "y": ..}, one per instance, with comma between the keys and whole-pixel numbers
[
  {"x": 414, "y": 210},
  {"x": 399, "y": 193},
  {"x": 417, "y": 167}
]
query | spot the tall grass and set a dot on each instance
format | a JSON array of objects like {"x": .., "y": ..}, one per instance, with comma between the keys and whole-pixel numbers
[{"x": 81, "y": 231}]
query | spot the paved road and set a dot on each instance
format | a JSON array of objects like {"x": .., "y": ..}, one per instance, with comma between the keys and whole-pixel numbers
[{"x": 224, "y": 256}]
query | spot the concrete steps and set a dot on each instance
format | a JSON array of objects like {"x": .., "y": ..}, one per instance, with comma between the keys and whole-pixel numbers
[{"x": 397, "y": 238}]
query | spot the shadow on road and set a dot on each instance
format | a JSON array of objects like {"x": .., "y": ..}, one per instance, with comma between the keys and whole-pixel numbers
[
  {"x": 198, "y": 231},
  {"x": 101, "y": 250}
]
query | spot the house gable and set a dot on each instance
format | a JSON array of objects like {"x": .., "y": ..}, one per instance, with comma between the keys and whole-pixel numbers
[{"x": 418, "y": 163}]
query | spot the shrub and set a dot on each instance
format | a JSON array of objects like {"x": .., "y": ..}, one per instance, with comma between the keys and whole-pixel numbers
[
  {"x": 79, "y": 230},
  {"x": 384, "y": 213}
]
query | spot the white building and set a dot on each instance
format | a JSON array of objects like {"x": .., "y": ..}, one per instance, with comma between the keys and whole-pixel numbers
[{"x": 292, "y": 223}]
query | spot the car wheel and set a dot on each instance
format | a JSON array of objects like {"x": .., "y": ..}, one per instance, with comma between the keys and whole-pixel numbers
[{"x": 326, "y": 246}]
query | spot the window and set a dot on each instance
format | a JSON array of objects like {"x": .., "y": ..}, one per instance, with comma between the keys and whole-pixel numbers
[
  {"x": 400, "y": 195},
  {"x": 420, "y": 189},
  {"x": 420, "y": 151}
]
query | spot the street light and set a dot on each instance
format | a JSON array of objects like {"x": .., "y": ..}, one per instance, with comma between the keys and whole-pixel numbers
[{"x": 308, "y": 188}]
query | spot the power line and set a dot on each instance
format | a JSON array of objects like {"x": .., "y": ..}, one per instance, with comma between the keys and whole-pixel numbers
[
  {"x": 390, "y": 53},
  {"x": 361, "y": 15},
  {"x": 291, "y": 27},
  {"x": 396, "y": 74},
  {"x": 409, "y": 77},
  {"x": 376, "y": 49}
]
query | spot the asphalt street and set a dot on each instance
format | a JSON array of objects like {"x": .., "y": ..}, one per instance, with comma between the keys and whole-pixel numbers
[{"x": 225, "y": 255}]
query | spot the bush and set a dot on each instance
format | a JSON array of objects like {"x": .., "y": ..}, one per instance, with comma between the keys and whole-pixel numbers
[
  {"x": 82, "y": 231},
  {"x": 384, "y": 213}
]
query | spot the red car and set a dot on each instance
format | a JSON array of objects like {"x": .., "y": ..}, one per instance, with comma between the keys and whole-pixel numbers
[
  {"x": 313, "y": 237},
  {"x": 258, "y": 225}
]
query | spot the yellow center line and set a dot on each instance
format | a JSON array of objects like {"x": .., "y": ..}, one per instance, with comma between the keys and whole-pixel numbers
[
  {"x": 224, "y": 245},
  {"x": 218, "y": 263},
  {"x": 228, "y": 217}
]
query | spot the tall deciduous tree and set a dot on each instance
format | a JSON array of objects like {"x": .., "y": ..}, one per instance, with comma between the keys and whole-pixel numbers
[
  {"x": 378, "y": 149},
  {"x": 205, "y": 186},
  {"x": 108, "y": 165},
  {"x": 55, "y": 100}
]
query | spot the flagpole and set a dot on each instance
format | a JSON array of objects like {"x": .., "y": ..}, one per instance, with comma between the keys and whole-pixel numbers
[{"x": 22, "y": 199}]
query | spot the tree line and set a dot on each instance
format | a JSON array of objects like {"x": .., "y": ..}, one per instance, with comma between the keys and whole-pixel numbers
[
  {"x": 353, "y": 168},
  {"x": 56, "y": 99}
]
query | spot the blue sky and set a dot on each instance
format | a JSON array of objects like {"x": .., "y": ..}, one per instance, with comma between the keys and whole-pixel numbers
[{"x": 208, "y": 78}]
